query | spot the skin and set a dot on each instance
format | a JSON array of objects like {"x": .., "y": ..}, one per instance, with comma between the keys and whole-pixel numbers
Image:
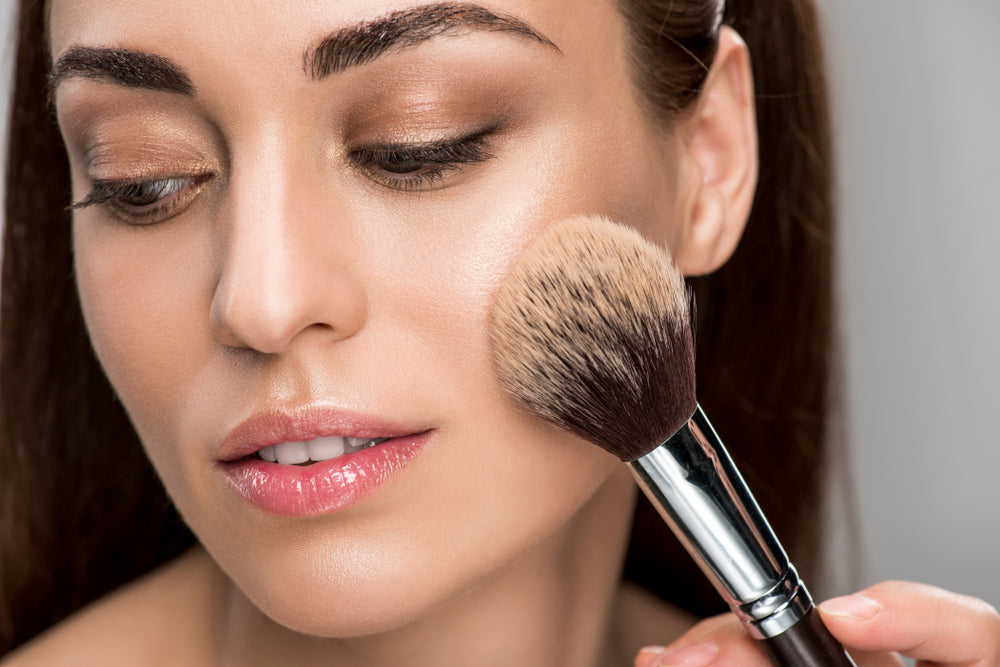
[{"x": 288, "y": 276}]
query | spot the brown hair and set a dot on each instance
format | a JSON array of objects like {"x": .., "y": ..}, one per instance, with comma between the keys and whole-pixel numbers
[
  {"x": 81, "y": 510},
  {"x": 764, "y": 324}
]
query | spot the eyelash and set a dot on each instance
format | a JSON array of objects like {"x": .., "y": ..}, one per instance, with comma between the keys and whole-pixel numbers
[
  {"x": 431, "y": 161},
  {"x": 180, "y": 190}
]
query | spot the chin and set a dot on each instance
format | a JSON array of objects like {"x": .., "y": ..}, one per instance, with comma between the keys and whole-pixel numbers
[
  {"x": 342, "y": 617},
  {"x": 336, "y": 588},
  {"x": 323, "y": 609}
]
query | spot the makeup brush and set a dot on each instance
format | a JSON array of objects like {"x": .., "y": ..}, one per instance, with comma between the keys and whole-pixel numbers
[{"x": 591, "y": 331}]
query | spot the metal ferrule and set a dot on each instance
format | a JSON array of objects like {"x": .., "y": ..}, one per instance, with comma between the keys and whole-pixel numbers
[{"x": 694, "y": 485}]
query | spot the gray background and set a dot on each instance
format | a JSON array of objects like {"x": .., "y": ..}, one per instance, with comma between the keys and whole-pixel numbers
[
  {"x": 916, "y": 98},
  {"x": 916, "y": 92}
]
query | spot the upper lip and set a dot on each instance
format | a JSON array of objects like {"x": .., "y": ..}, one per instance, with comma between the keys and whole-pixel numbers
[{"x": 303, "y": 424}]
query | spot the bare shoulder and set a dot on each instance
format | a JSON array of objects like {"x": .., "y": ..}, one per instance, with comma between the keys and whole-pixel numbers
[{"x": 163, "y": 618}]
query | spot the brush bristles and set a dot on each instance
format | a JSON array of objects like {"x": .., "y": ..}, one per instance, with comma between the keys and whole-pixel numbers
[{"x": 591, "y": 331}]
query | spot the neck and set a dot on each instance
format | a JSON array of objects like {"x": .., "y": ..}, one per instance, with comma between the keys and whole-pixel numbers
[{"x": 553, "y": 605}]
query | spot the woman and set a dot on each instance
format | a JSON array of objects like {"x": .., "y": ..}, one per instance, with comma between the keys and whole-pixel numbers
[{"x": 287, "y": 223}]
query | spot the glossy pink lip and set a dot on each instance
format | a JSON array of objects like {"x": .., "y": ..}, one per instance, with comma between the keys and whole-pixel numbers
[{"x": 326, "y": 486}]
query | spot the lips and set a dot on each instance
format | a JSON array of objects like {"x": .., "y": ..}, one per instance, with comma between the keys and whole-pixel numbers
[
  {"x": 304, "y": 425},
  {"x": 315, "y": 460}
]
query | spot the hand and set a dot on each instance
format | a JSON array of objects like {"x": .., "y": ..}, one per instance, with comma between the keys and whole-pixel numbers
[{"x": 931, "y": 625}]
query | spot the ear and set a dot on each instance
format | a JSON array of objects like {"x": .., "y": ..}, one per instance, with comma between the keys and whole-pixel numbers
[{"x": 721, "y": 151}]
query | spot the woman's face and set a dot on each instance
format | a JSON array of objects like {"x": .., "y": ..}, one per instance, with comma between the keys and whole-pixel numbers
[{"x": 282, "y": 239}]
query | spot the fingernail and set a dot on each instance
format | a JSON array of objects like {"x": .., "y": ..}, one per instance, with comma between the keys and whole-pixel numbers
[
  {"x": 859, "y": 607},
  {"x": 648, "y": 655},
  {"x": 695, "y": 655}
]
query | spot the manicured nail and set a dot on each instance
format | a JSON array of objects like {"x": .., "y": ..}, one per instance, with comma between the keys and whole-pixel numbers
[
  {"x": 648, "y": 654},
  {"x": 695, "y": 655},
  {"x": 859, "y": 607}
]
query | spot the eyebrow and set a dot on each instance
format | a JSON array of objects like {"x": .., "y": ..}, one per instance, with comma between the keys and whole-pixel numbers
[
  {"x": 401, "y": 29},
  {"x": 135, "y": 69},
  {"x": 350, "y": 47}
]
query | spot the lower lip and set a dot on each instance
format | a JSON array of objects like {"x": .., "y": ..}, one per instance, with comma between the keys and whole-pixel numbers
[{"x": 326, "y": 486}]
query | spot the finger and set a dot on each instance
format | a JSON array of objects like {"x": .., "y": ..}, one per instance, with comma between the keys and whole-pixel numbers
[
  {"x": 649, "y": 655},
  {"x": 876, "y": 659},
  {"x": 689, "y": 655},
  {"x": 720, "y": 641},
  {"x": 919, "y": 621}
]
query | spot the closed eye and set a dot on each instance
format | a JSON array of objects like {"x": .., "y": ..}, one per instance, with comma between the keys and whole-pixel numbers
[
  {"x": 143, "y": 202},
  {"x": 418, "y": 166}
]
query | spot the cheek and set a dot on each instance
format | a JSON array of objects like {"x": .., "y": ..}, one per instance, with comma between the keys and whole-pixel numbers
[
  {"x": 459, "y": 252},
  {"x": 142, "y": 319},
  {"x": 638, "y": 182}
]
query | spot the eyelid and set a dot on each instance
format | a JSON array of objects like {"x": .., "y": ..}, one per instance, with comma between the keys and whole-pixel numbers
[
  {"x": 433, "y": 144},
  {"x": 448, "y": 154},
  {"x": 105, "y": 193}
]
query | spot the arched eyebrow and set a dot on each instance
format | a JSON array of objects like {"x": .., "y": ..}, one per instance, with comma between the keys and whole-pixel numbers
[
  {"x": 364, "y": 42},
  {"x": 135, "y": 69}
]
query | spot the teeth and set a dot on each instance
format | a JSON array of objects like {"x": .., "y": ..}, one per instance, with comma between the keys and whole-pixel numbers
[
  {"x": 322, "y": 449},
  {"x": 357, "y": 443},
  {"x": 291, "y": 453},
  {"x": 319, "y": 449},
  {"x": 363, "y": 443}
]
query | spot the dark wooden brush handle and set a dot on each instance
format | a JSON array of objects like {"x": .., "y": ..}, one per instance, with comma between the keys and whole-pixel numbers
[{"x": 807, "y": 644}]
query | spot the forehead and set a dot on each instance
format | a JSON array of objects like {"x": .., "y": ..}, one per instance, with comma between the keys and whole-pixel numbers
[
  {"x": 252, "y": 48},
  {"x": 274, "y": 27}
]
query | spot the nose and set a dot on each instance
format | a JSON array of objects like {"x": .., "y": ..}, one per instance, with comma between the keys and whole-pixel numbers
[{"x": 286, "y": 270}]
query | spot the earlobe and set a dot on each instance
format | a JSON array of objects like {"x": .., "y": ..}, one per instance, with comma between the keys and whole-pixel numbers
[{"x": 721, "y": 149}]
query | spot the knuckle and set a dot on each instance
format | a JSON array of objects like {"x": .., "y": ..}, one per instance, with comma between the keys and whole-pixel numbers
[
  {"x": 991, "y": 614},
  {"x": 989, "y": 626},
  {"x": 992, "y": 619},
  {"x": 986, "y": 614}
]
